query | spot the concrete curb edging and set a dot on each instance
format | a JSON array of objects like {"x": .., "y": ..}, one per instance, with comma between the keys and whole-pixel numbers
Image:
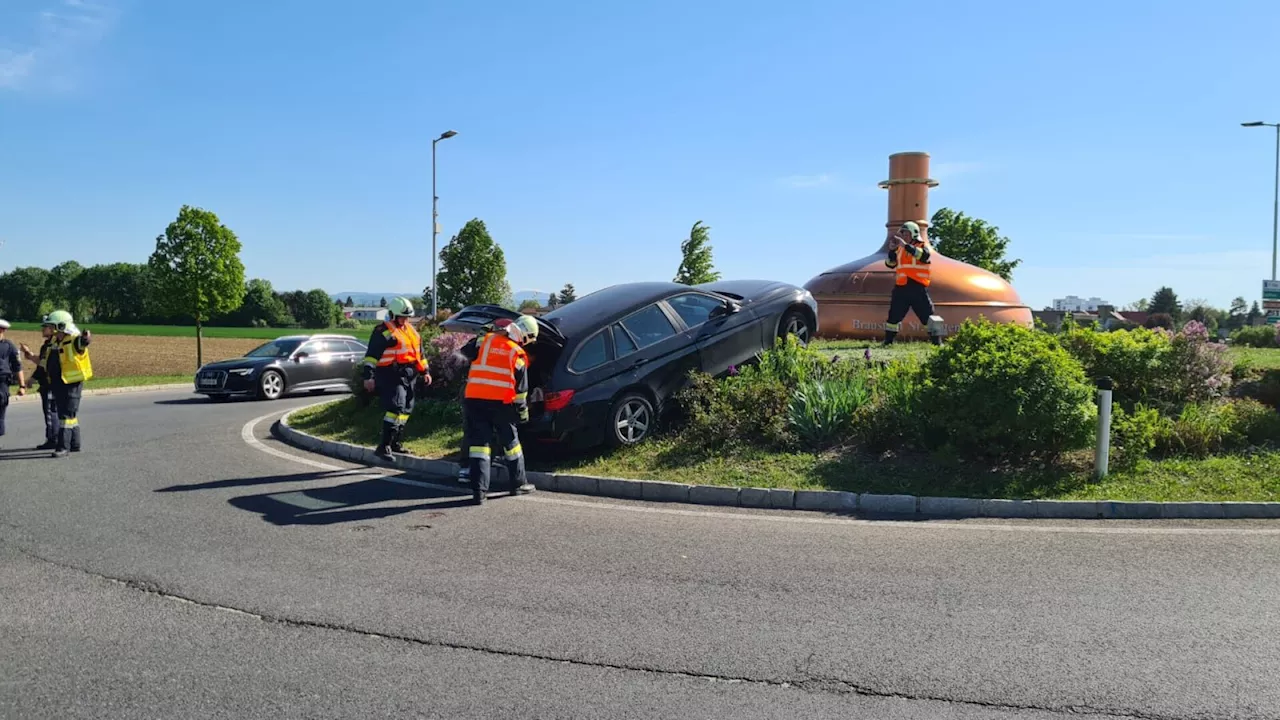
[
  {"x": 828, "y": 501},
  {"x": 33, "y": 395}
]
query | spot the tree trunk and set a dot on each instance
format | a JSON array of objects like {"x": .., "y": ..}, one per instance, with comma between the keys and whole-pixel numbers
[{"x": 199, "y": 346}]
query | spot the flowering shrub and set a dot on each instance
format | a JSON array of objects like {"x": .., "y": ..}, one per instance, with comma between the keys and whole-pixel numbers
[
  {"x": 448, "y": 367},
  {"x": 1200, "y": 369}
]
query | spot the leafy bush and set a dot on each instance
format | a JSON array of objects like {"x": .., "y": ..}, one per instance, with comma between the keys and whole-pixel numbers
[
  {"x": 1201, "y": 429},
  {"x": 1153, "y": 367},
  {"x": 1136, "y": 360},
  {"x": 1002, "y": 390},
  {"x": 349, "y": 324},
  {"x": 1135, "y": 434},
  {"x": 1256, "y": 423},
  {"x": 896, "y": 415},
  {"x": 1200, "y": 369},
  {"x": 1160, "y": 320},
  {"x": 747, "y": 409},
  {"x": 1264, "y": 388},
  {"x": 1259, "y": 336},
  {"x": 826, "y": 412},
  {"x": 448, "y": 367}
]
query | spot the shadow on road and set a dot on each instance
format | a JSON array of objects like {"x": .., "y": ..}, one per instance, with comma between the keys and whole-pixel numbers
[
  {"x": 344, "y": 503},
  {"x": 252, "y": 481},
  {"x": 199, "y": 400},
  {"x": 23, "y": 454}
]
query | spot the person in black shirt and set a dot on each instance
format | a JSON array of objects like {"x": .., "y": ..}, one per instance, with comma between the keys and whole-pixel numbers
[
  {"x": 41, "y": 375},
  {"x": 10, "y": 370}
]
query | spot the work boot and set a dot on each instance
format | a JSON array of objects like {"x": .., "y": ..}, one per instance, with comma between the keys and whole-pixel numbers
[
  {"x": 384, "y": 447},
  {"x": 936, "y": 339},
  {"x": 889, "y": 335},
  {"x": 477, "y": 497},
  {"x": 524, "y": 489},
  {"x": 75, "y": 439},
  {"x": 397, "y": 444},
  {"x": 60, "y": 449},
  {"x": 49, "y": 444}
]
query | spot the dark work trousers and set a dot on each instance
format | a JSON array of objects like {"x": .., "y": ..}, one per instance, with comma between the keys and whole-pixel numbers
[
  {"x": 67, "y": 398},
  {"x": 395, "y": 388},
  {"x": 912, "y": 297},
  {"x": 50, "y": 408},
  {"x": 484, "y": 419},
  {"x": 4, "y": 400}
]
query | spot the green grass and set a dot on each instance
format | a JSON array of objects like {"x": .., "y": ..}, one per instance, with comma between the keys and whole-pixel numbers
[
  {"x": 1260, "y": 358},
  {"x": 435, "y": 432},
  {"x": 130, "y": 381},
  {"x": 190, "y": 331}
]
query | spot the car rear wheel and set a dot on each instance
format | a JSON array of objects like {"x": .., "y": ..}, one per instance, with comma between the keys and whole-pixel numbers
[
  {"x": 795, "y": 323},
  {"x": 271, "y": 386},
  {"x": 631, "y": 420}
]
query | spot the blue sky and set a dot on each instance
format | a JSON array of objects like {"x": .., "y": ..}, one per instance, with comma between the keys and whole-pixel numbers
[{"x": 1103, "y": 138}]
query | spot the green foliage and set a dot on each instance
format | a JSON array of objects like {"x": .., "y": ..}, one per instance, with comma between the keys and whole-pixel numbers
[
  {"x": 22, "y": 291},
  {"x": 1258, "y": 336},
  {"x": 1138, "y": 361},
  {"x": 1135, "y": 434},
  {"x": 473, "y": 269},
  {"x": 1165, "y": 302},
  {"x": 567, "y": 295},
  {"x": 315, "y": 310},
  {"x": 742, "y": 411},
  {"x": 530, "y": 304},
  {"x": 898, "y": 415},
  {"x": 261, "y": 307},
  {"x": 114, "y": 293},
  {"x": 1005, "y": 391},
  {"x": 823, "y": 413},
  {"x": 1258, "y": 424},
  {"x": 196, "y": 269},
  {"x": 696, "y": 265},
  {"x": 1201, "y": 429},
  {"x": 1264, "y": 388},
  {"x": 972, "y": 241}
]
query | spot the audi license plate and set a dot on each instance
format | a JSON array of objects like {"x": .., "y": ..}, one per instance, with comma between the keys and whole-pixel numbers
[{"x": 208, "y": 381}]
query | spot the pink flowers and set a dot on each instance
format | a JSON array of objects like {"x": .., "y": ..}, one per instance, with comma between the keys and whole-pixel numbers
[{"x": 447, "y": 366}]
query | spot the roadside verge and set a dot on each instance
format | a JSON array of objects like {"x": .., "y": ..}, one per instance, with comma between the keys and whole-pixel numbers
[
  {"x": 32, "y": 395},
  {"x": 830, "y": 501}
]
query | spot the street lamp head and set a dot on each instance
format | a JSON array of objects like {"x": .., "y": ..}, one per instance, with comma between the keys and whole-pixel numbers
[
  {"x": 1252, "y": 124},
  {"x": 447, "y": 134}
]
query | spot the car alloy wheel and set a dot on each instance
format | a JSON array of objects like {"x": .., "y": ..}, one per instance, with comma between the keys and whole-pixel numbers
[
  {"x": 795, "y": 324},
  {"x": 632, "y": 419},
  {"x": 272, "y": 385}
]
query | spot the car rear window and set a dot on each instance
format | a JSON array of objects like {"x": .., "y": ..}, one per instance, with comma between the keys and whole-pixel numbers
[
  {"x": 649, "y": 326},
  {"x": 593, "y": 353}
]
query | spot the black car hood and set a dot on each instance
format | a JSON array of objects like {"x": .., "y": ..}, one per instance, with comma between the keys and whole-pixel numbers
[{"x": 244, "y": 362}]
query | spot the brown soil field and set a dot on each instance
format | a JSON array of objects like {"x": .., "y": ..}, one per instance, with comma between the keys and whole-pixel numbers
[{"x": 135, "y": 355}]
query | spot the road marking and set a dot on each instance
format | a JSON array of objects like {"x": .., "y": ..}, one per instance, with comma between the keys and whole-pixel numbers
[{"x": 249, "y": 429}]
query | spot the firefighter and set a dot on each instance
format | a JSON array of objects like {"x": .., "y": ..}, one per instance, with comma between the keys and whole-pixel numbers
[
  {"x": 910, "y": 256},
  {"x": 394, "y": 365},
  {"x": 495, "y": 399},
  {"x": 10, "y": 370},
  {"x": 41, "y": 375},
  {"x": 67, "y": 368}
]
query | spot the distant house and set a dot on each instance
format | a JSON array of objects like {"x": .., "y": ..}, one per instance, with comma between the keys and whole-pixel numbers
[{"x": 366, "y": 314}]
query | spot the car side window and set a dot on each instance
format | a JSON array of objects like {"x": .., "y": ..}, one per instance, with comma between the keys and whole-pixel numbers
[
  {"x": 622, "y": 342},
  {"x": 649, "y": 326},
  {"x": 593, "y": 353},
  {"x": 694, "y": 308},
  {"x": 313, "y": 348},
  {"x": 354, "y": 347}
]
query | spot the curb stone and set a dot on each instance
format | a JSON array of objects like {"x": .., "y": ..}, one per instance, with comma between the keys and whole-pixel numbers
[
  {"x": 32, "y": 395},
  {"x": 827, "y": 501}
]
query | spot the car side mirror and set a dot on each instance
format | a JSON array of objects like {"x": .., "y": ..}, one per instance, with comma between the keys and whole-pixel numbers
[
  {"x": 300, "y": 356},
  {"x": 728, "y": 308}
]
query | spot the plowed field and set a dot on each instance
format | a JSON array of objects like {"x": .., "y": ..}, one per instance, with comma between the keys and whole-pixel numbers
[{"x": 134, "y": 355}]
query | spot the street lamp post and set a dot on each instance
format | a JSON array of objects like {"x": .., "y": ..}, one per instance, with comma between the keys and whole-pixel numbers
[
  {"x": 1275, "y": 210},
  {"x": 435, "y": 222}
]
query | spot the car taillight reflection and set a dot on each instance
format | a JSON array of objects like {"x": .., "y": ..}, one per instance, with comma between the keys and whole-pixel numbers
[{"x": 557, "y": 400}]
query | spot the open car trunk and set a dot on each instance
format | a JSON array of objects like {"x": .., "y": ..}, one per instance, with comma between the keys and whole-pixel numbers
[{"x": 479, "y": 319}]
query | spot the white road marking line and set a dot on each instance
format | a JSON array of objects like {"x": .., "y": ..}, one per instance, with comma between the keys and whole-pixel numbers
[{"x": 247, "y": 433}]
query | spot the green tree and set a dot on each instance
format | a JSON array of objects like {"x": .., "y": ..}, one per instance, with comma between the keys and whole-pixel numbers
[
  {"x": 553, "y": 300},
  {"x": 382, "y": 302},
  {"x": 567, "y": 294},
  {"x": 261, "y": 307},
  {"x": 971, "y": 240},
  {"x": 196, "y": 270},
  {"x": 349, "y": 302},
  {"x": 315, "y": 310},
  {"x": 114, "y": 293},
  {"x": 61, "y": 289},
  {"x": 1138, "y": 305},
  {"x": 530, "y": 304},
  {"x": 696, "y": 265},
  {"x": 22, "y": 291},
  {"x": 1237, "y": 314},
  {"x": 473, "y": 269},
  {"x": 1165, "y": 301},
  {"x": 1255, "y": 314}
]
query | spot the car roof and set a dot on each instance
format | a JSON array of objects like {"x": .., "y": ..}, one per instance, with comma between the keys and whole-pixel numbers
[
  {"x": 589, "y": 311},
  {"x": 318, "y": 336}
]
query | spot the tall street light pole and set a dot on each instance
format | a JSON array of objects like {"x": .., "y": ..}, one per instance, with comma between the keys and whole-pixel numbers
[
  {"x": 1275, "y": 211},
  {"x": 435, "y": 221}
]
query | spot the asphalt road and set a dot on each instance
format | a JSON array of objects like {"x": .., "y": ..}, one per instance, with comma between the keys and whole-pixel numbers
[{"x": 187, "y": 565}]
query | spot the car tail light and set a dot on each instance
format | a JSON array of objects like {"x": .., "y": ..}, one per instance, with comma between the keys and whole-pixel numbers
[{"x": 558, "y": 400}]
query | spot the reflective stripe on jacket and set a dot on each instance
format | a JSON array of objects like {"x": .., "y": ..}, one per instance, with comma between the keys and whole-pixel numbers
[
  {"x": 908, "y": 267},
  {"x": 498, "y": 372},
  {"x": 404, "y": 347}
]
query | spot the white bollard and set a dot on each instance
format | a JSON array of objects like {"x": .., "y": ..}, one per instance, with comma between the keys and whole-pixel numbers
[{"x": 1102, "y": 453}]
